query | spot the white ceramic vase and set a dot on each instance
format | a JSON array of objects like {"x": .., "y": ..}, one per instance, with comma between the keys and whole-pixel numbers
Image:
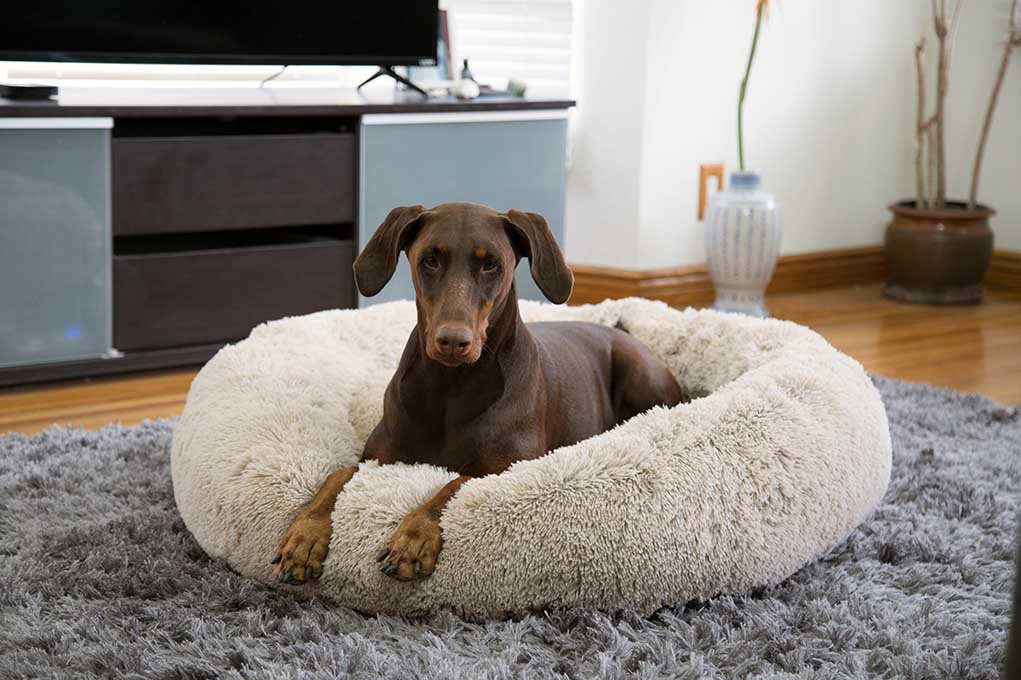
[{"x": 742, "y": 243}]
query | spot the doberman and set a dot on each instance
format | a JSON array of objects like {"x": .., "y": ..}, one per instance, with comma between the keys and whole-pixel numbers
[{"x": 477, "y": 389}]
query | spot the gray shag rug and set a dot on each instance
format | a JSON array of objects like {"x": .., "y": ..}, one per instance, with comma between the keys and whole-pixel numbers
[{"x": 100, "y": 578}]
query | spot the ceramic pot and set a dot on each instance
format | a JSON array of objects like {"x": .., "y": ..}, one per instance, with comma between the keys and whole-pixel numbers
[
  {"x": 742, "y": 244},
  {"x": 937, "y": 256}
]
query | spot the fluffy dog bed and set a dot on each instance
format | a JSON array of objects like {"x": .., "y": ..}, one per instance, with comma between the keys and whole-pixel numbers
[{"x": 785, "y": 451}]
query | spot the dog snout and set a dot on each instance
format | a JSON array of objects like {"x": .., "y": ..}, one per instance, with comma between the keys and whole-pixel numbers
[{"x": 454, "y": 341}]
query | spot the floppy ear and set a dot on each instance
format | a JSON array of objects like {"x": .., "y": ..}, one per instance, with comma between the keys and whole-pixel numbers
[
  {"x": 532, "y": 239},
  {"x": 378, "y": 259}
]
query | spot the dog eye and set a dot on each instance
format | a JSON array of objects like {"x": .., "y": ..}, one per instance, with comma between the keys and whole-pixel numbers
[
  {"x": 430, "y": 262},
  {"x": 489, "y": 267}
]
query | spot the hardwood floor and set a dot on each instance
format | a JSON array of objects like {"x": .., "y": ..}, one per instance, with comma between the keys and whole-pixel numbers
[
  {"x": 973, "y": 349},
  {"x": 970, "y": 349},
  {"x": 94, "y": 403}
]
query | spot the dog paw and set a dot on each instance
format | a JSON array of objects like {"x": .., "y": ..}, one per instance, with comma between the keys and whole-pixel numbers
[
  {"x": 300, "y": 555},
  {"x": 413, "y": 550}
]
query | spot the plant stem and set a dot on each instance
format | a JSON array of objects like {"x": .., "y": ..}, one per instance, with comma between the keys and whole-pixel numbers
[
  {"x": 920, "y": 201},
  {"x": 942, "y": 68},
  {"x": 744, "y": 87},
  {"x": 1015, "y": 37},
  {"x": 931, "y": 129},
  {"x": 946, "y": 30}
]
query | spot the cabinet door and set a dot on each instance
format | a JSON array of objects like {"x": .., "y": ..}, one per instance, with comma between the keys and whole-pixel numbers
[
  {"x": 54, "y": 239},
  {"x": 512, "y": 159}
]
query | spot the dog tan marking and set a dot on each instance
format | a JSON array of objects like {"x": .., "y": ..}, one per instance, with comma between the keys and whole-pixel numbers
[
  {"x": 416, "y": 545},
  {"x": 303, "y": 549}
]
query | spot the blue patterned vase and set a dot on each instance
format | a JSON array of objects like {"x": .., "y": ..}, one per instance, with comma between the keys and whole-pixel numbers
[{"x": 743, "y": 241}]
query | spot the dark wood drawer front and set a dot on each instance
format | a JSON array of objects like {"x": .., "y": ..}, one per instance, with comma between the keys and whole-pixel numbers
[
  {"x": 201, "y": 297},
  {"x": 187, "y": 184}
]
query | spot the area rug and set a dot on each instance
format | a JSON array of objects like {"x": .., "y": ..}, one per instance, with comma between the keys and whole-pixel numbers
[{"x": 99, "y": 578}]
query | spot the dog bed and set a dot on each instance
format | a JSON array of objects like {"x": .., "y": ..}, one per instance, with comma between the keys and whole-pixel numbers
[{"x": 783, "y": 452}]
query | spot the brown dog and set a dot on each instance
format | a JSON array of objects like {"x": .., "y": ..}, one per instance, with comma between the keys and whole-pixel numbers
[{"x": 477, "y": 389}]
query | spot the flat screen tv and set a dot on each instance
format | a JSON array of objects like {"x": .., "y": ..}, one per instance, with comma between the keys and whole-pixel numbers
[{"x": 356, "y": 32}]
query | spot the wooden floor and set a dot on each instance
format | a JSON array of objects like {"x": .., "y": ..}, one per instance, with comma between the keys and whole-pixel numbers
[
  {"x": 974, "y": 349},
  {"x": 970, "y": 349}
]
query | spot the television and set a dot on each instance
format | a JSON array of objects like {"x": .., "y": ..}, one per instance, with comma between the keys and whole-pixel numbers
[{"x": 341, "y": 32}]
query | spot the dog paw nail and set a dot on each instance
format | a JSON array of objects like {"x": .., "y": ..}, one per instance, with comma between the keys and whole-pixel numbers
[
  {"x": 275, "y": 560},
  {"x": 381, "y": 555}
]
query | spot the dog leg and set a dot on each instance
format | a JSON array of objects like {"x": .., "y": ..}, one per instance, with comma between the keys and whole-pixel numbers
[
  {"x": 415, "y": 546},
  {"x": 302, "y": 551}
]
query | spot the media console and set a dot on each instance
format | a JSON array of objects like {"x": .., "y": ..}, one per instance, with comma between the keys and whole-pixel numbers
[{"x": 147, "y": 229}]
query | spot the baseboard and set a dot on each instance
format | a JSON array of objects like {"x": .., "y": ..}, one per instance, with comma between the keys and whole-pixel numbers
[
  {"x": 131, "y": 362},
  {"x": 1005, "y": 270},
  {"x": 691, "y": 286}
]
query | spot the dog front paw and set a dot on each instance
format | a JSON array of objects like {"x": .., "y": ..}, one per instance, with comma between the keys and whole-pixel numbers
[
  {"x": 414, "y": 548},
  {"x": 301, "y": 553}
]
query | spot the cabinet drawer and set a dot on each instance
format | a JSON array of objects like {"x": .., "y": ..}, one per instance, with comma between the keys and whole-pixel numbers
[
  {"x": 205, "y": 296},
  {"x": 167, "y": 185}
]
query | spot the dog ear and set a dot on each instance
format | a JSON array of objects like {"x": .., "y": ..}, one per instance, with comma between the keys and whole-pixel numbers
[
  {"x": 532, "y": 239},
  {"x": 376, "y": 263}
]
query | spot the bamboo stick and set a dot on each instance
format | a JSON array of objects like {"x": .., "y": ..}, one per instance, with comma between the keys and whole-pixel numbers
[
  {"x": 922, "y": 200},
  {"x": 1013, "y": 40}
]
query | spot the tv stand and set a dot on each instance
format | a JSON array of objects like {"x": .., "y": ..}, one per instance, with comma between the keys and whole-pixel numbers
[{"x": 389, "y": 71}]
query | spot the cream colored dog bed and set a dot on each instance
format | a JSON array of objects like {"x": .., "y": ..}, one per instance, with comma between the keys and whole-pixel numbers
[{"x": 783, "y": 454}]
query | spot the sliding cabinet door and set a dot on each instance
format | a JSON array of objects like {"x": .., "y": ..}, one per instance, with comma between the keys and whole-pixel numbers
[
  {"x": 513, "y": 159},
  {"x": 54, "y": 239}
]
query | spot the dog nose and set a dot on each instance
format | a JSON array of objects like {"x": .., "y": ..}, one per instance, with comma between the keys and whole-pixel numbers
[{"x": 453, "y": 340}]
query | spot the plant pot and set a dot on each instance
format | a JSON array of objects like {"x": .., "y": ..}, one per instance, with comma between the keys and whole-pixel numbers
[{"x": 937, "y": 256}]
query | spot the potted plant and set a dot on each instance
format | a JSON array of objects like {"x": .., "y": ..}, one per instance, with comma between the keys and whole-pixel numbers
[{"x": 937, "y": 249}]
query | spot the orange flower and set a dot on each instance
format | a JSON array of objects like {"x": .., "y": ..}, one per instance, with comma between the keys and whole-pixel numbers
[{"x": 764, "y": 5}]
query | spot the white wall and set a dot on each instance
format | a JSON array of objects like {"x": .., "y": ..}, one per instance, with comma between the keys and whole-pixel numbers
[
  {"x": 606, "y": 152},
  {"x": 828, "y": 121}
]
